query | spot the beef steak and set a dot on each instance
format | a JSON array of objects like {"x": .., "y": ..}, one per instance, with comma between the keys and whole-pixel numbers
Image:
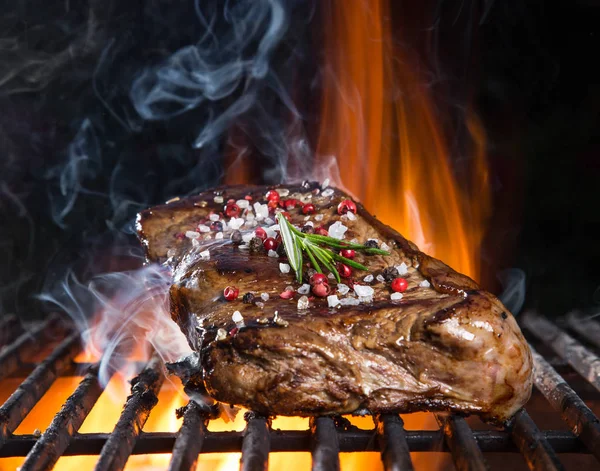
[{"x": 445, "y": 345}]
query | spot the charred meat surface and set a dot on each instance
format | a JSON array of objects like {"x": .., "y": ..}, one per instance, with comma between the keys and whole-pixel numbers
[{"x": 276, "y": 348}]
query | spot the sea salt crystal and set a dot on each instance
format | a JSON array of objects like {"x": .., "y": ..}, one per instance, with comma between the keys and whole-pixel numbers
[
  {"x": 365, "y": 299},
  {"x": 221, "y": 335},
  {"x": 205, "y": 255},
  {"x": 273, "y": 254},
  {"x": 203, "y": 228},
  {"x": 342, "y": 288},
  {"x": 303, "y": 303},
  {"x": 349, "y": 301},
  {"x": 214, "y": 217},
  {"x": 243, "y": 203},
  {"x": 351, "y": 216},
  {"x": 396, "y": 296},
  {"x": 319, "y": 217},
  {"x": 424, "y": 284},
  {"x": 218, "y": 199},
  {"x": 380, "y": 278},
  {"x": 236, "y": 223},
  {"x": 385, "y": 247},
  {"x": 264, "y": 296},
  {"x": 259, "y": 304},
  {"x": 337, "y": 230},
  {"x": 192, "y": 234},
  {"x": 271, "y": 221},
  {"x": 368, "y": 278},
  {"x": 327, "y": 192},
  {"x": 354, "y": 241},
  {"x": 237, "y": 317},
  {"x": 306, "y": 218},
  {"x": 219, "y": 236},
  {"x": 207, "y": 237},
  {"x": 402, "y": 269},
  {"x": 271, "y": 230},
  {"x": 250, "y": 224},
  {"x": 332, "y": 300},
  {"x": 363, "y": 291},
  {"x": 283, "y": 191},
  {"x": 248, "y": 236},
  {"x": 284, "y": 268},
  {"x": 250, "y": 216},
  {"x": 331, "y": 276},
  {"x": 261, "y": 210},
  {"x": 309, "y": 223},
  {"x": 304, "y": 289},
  {"x": 325, "y": 183}
]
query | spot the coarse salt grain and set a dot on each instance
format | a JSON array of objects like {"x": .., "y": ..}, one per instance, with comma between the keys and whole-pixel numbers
[
  {"x": 354, "y": 241},
  {"x": 218, "y": 235},
  {"x": 327, "y": 192},
  {"x": 331, "y": 276},
  {"x": 237, "y": 317},
  {"x": 214, "y": 217},
  {"x": 303, "y": 303},
  {"x": 284, "y": 268},
  {"x": 363, "y": 291},
  {"x": 221, "y": 335},
  {"x": 264, "y": 296},
  {"x": 270, "y": 221},
  {"x": 396, "y": 296},
  {"x": 342, "y": 288},
  {"x": 325, "y": 183},
  {"x": 250, "y": 216},
  {"x": 385, "y": 247},
  {"x": 309, "y": 223},
  {"x": 192, "y": 234},
  {"x": 337, "y": 230},
  {"x": 319, "y": 217},
  {"x": 243, "y": 203},
  {"x": 365, "y": 299},
  {"x": 351, "y": 216},
  {"x": 332, "y": 300},
  {"x": 304, "y": 289},
  {"x": 203, "y": 228},
  {"x": 424, "y": 284},
  {"x": 218, "y": 199},
  {"x": 349, "y": 301},
  {"x": 261, "y": 210},
  {"x": 283, "y": 191},
  {"x": 236, "y": 223},
  {"x": 259, "y": 304},
  {"x": 205, "y": 255},
  {"x": 273, "y": 254},
  {"x": 368, "y": 278},
  {"x": 402, "y": 269},
  {"x": 248, "y": 236},
  {"x": 380, "y": 278}
]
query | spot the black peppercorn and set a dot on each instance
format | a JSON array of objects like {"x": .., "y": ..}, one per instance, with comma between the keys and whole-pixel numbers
[
  {"x": 216, "y": 226},
  {"x": 372, "y": 244},
  {"x": 256, "y": 245},
  {"x": 248, "y": 298},
  {"x": 236, "y": 237},
  {"x": 390, "y": 273},
  {"x": 308, "y": 229}
]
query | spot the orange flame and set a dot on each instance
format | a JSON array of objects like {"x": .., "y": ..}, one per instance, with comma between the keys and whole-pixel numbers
[{"x": 379, "y": 120}]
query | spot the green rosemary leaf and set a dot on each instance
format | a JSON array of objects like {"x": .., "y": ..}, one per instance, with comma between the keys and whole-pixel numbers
[
  {"x": 308, "y": 249},
  {"x": 350, "y": 263},
  {"x": 374, "y": 251},
  {"x": 326, "y": 260},
  {"x": 291, "y": 246}
]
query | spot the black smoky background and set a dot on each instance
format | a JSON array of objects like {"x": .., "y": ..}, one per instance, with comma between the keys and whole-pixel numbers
[{"x": 109, "y": 107}]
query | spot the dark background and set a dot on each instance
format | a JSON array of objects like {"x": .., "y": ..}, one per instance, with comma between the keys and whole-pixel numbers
[{"x": 78, "y": 159}]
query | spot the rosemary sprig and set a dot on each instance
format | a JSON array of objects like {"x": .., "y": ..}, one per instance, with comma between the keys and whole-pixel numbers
[{"x": 318, "y": 250}]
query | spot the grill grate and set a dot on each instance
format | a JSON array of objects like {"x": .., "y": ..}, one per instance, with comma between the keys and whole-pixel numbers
[{"x": 326, "y": 438}]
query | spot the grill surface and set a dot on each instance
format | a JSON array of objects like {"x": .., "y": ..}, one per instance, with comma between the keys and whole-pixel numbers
[{"x": 326, "y": 438}]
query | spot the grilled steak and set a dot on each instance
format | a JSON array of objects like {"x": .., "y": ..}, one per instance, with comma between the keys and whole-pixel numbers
[{"x": 445, "y": 345}]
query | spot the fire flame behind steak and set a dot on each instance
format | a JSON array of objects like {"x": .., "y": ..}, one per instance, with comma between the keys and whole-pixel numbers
[{"x": 446, "y": 345}]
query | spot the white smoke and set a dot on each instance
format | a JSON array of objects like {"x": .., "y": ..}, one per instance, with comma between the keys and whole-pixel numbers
[{"x": 514, "y": 286}]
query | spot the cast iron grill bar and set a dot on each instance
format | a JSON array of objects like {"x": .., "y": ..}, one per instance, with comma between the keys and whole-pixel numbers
[
  {"x": 30, "y": 342},
  {"x": 584, "y": 326},
  {"x": 461, "y": 442},
  {"x": 538, "y": 453},
  {"x": 256, "y": 444},
  {"x": 190, "y": 439},
  {"x": 55, "y": 440},
  {"x": 324, "y": 444},
  {"x": 10, "y": 327},
  {"x": 143, "y": 398},
  {"x": 585, "y": 362},
  {"x": 30, "y": 391},
  {"x": 392, "y": 443},
  {"x": 579, "y": 417}
]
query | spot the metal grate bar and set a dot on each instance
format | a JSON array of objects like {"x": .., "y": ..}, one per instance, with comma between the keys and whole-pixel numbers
[
  {"x": 256, "y": 444},
  {"x": 563, "y": 399},
  {"x": 538, "y": 453},
  {"x": 459, "y": 437},
  {"x": 189, "y": 439},
  {"x": 55, "y": 440},
  {"x": 584, "y": 326},
  {"x": 325, "y": 446},
  {"x": 562, "y": 441},
  {"x": 392, "y": 443},
  {"x": 31, "y": 342},
  {"x": 30, "y": 391},
  {"x": 143, "y": 398},
  {"x": 585, "y": 362},
  {"x": 10, "y": 327}
]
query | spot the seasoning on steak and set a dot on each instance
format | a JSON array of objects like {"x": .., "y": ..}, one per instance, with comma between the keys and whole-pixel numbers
[{"x": 444, "y": 344}]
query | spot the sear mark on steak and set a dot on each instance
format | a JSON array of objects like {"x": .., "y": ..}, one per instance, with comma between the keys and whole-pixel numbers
[{"x": 446, "y": 345}]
